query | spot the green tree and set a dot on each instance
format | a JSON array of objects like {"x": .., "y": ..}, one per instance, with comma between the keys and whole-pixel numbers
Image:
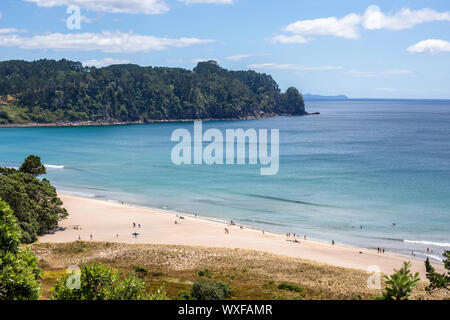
[
  {"x": 437, "y": 280},
  {"x": 206, "y": 290},
  {"x": 34, "y": 202},
  {"x": 99, "y": 282},
  {"x": 33, "y": 166},
  {"x": 400, "y": 284},
  {"x": 19, "y": 274}
]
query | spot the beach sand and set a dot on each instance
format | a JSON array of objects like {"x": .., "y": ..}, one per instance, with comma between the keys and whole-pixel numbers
[{"x": 104, "y": 220}]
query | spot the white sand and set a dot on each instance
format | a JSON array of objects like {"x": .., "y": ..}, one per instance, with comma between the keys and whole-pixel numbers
[{"x": 105, "y": 220}]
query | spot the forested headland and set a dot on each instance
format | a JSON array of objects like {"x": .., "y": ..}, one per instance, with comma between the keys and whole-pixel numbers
[{"x": 49, "y": 91}]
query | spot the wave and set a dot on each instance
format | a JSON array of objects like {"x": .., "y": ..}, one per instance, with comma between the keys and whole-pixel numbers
[
  {"x": 289, "y": 200},
  {"x": 53, "y": 166},
  {"x": 77, "y": 193},
  {"x": 433, "y": 243}
]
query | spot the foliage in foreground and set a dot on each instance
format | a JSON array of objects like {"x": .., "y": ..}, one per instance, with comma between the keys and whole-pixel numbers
[
  {"x": 400, "y": 284},
  {"x": 437, "y": 280},
  {"x": 19, "y": 273},
  {"x": 99, "y": 282},
  {"x": 34, "y": 201}
]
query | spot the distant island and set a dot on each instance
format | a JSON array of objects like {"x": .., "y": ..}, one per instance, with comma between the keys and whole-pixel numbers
[
  {"x": 49, "y": 92},
  {"x": 320, "y": 97}
]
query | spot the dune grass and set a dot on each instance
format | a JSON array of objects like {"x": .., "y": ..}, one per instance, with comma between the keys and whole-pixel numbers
[{"x": 251, "y": 274}]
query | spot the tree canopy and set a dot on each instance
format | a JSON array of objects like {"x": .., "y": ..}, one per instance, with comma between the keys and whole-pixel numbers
[
  {"x": 34, "y": 202},
  {"x": 47, "y": 91},
  {"x": 19, "y": 273}
]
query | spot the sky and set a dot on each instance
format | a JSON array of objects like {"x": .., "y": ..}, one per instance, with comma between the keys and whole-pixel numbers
[{"x": 363, "y": 49}]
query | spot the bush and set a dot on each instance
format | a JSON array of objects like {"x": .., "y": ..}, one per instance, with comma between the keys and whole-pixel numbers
[
  {"x": 289, "y": 287},
  {"x": 34, "y": 202},
  {"x": 204, "y": 273},
  {"x": 184, "y": 295},
  {"x": 141, "y": 270},
  {"x": 400, "y": 284},
  {"x": 99, "y": 282},
  {"x": 19, "y": 274},
  {"x": 437, "y": 280},
  {"x": 205, "y": 290}
]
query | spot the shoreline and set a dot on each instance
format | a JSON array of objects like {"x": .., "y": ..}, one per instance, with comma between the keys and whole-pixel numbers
[
  {"x": 110, "y": 221},
  {"x": 119, "y": 123}
]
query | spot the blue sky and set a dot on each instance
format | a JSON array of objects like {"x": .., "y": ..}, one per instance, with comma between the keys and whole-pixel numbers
[{"x": 379, "y": 49}]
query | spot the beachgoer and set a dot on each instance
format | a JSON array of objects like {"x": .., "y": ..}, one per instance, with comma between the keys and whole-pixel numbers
[
  {"x": 139, "y": 225},
  {"x": 263, "y": 231},
  {"x": 134, "y": 224},
  {"x": 176, "y": 222},
  {"x": 304, "y": 238},
  {"x": 79, "y": 237},
  {"x": 383, "y": 250},
  {"x": 226, "y": 231},
  {"x": 91, "y": 236},
  {"x": 332, "y": 242},
  {"x": 117, "y": 235}
]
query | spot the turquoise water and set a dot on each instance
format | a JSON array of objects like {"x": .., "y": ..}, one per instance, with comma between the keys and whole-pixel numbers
[{"x": 359, "y": 164}]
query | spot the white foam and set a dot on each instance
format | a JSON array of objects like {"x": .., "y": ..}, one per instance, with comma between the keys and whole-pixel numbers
[
  {"x": 432, "y": 243},
  {"x": 53, "y": 166}
]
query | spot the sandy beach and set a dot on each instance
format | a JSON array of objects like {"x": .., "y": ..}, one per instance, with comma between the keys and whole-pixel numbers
[{"x": 113, "y": 222}]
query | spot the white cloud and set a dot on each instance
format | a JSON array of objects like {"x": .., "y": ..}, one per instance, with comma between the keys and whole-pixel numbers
[
  {"x": 106, "y": 41},
  {"x": 10, "y": 30},
  {"x": 194, "y": 60},
  {"x": 349, "y": 26},
  {"x": 113, "y": 6},
  {"x": 374, "y": 19},
  {"x": 431, "y": 46},
  {"x": 297, "y": 67},
  {"x": 207, "y": 1},
  {"x": 370, "y": 74},
  {"x": 288, "y": 39},
  {"x": 104, "y": 62},
  {"x": 345, "y": 27},
  {"x": 238, "y": 57}
]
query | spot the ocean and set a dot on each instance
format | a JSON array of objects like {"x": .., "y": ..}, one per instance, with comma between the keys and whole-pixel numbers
[{"x": 367, "y": 173}]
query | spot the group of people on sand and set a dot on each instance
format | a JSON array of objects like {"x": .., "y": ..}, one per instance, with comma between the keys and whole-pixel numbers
[
  {"x": 136, "y": 224},
  {"x": 295, "y": 236},
  {"x": 380, "y": 250}
]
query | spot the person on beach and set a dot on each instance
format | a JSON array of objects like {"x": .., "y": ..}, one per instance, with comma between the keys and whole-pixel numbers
[
  {"x": 139, "y": 225},
  {"x": 226, "y": 231},
  {"x": 332, "y": 242},
  {"x": 91, "y": 236},
  {"x": 263, "y": 231},
  {"x": 383, "y": 250},
  {"x": 79, "y": 237},
  {"x": 134, "y": 224},
  {"x": 117, "y": 235},
  {"x": 304, "y": 238},
  {"x": 176, "y": 222}
]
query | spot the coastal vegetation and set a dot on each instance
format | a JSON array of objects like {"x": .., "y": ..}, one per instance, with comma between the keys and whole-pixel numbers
[
  {"x": 49, "y": 91},
  {"x": 34, "y": 202},
  {"x": 19, "y": 272},
  {"x": 247, "y": 274}
]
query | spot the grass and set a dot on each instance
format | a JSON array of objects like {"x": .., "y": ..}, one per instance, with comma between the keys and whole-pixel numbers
[{"x": 251, "y": 274}]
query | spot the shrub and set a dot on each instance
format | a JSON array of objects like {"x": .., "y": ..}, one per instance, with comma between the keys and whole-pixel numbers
[
  {"x": 289, "y": 287},
  {"x": 99, "y": 282},
  {"x": 184, "y": 295},
  {"x": 141, "y": 270},
  {"x": 204, "y": 273},
  {"x": 19, "y": 274},
  {"x": 205, "y": 290},
  {"x": 400, "y": 284}
]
